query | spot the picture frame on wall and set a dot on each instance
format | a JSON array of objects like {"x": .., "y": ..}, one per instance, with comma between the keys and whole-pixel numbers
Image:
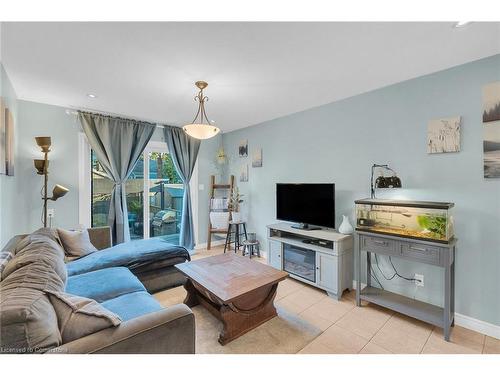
[
  {"x": 9, "y": 143},
  {"x": 257, "y": 158},
  {"x": 443, "y": 135},
  {"x": 491, "y": 102},
  {"x": 244, "y": 173},
  {"x": 491, "y": 130},
  {"x": 2, "y": 138},
  {"x": 243, "y": 149}
]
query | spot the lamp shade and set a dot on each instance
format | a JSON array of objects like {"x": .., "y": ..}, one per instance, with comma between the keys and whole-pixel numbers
[
  {"x": 44, "y": 143},
  {"x": 39, "y": 165},
  {"x": 201, "y": 131},
  {"x": 58, "y": 192}
]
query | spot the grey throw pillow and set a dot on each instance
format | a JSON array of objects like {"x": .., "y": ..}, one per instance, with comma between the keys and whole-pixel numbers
[
  {"x": 76, "y": 243},
  {"x": 79, "y": 316}
]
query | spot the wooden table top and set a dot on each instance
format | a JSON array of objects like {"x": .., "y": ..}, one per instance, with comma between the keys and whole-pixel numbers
[{"x": 229, "y": 276}]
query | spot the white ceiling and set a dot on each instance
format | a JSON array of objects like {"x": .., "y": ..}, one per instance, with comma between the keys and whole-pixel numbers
[{"x": 256, "y": 71}]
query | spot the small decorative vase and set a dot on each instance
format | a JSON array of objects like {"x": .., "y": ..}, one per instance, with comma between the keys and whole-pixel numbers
[
  {"x": 236, "y": 217},
  {"x": 345, "y": 227}
]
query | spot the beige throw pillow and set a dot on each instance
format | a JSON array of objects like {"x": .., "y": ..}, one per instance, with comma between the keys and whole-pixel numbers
[
  {"x": 76, "y": 243},
  {"x": 79, "y": 316}
]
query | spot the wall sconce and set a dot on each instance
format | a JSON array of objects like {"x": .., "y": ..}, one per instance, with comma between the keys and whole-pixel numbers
[
  {"x": 384, "y": 182},
  {"x": 42, "y": 168}
]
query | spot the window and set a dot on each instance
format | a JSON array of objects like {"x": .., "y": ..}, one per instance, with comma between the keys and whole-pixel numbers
[{"x": 154, "y": 193}]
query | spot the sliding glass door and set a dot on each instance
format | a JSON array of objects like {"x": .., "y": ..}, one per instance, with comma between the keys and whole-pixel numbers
[{"x": 154, "y": 195}]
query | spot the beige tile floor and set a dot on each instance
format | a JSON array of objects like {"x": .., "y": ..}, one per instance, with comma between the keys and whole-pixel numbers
[{"x": 369, "y": 329}]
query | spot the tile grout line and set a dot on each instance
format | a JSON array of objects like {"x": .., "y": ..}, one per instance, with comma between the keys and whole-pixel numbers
[
  {"x": 378, "y": 330},
  {"x": 426, "y": 341}
]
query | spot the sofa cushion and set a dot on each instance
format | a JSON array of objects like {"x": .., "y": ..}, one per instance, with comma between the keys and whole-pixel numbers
[
  {"x": 132, "y": 305},
  {"x": 28, "y": 322},
  {"x": 79, "y": 316},
  {"x": 102, "y": 285},
  {"x": 38, "y": 276},
  {"x": 76, "y": 243},
  {"x": 40, "y": 235},
  {"x": 40, "y": 247}
]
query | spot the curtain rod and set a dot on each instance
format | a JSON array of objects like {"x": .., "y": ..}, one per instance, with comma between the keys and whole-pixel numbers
[{"x": 74, "y": 112}]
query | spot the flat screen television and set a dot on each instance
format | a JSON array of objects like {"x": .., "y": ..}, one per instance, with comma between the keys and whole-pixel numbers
[{"x": 306, "y": 204}]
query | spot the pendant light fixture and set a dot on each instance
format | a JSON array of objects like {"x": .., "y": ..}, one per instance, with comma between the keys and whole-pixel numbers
[{"x": 200, "y": 127}]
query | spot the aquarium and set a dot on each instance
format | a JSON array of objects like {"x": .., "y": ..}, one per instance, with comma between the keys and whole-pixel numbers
[{"x": 415, "y": 219}]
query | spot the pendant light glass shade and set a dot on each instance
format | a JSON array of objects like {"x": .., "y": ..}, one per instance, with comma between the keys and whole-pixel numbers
[
  {"x": 200, "y": 127},
  {"x": 201, "y": 131}
]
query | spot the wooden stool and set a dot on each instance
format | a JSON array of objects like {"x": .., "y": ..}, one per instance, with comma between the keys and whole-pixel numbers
[
  {"x": 235, "y": 227},
  {"x": 250, "y": 247}
]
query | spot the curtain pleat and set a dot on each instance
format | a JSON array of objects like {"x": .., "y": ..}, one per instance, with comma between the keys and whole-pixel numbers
[
  {"x": 184, "y": 151},
  {"x": 118, "y": 143}
]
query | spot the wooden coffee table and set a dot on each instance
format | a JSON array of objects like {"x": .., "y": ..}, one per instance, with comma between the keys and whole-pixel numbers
[{"x": 236, "y": 290}]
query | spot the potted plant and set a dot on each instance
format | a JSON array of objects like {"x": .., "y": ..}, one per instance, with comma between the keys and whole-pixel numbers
[{"x": 234, "y": 205}]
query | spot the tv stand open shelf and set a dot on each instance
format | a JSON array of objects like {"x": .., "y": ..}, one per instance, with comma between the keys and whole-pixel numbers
[{"x": 322, "y": 258}]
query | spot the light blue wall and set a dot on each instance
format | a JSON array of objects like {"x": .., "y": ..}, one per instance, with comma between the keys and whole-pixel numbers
[
  {"x": 339, "y": 142},
  {"x": 8, "y": 184}
]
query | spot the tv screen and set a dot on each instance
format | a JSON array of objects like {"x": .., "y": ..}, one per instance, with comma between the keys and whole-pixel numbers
[{"x": 306, "y": 204}]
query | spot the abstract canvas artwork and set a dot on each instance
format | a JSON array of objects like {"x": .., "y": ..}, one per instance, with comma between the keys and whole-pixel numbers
[
  {"x": 243, "y": 149},
  {"x": 9, "y": 143},
  {"x": 2, "y": 137},
  {"x": 257, "y": 158},
  {"x": 491, "y": 130},
  {"x": 244, "y": 173},
  {"x": 443, "y": 135}
]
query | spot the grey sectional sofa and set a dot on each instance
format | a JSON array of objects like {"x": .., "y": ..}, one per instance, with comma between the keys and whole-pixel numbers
[{"x": 112, "y": 277}]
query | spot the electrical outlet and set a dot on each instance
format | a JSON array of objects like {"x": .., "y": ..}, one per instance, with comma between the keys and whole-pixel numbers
[
  {"x": 419, "y": 279},
  {"x": 51, "y": 213},
  {"x": 201, "y": 187}
]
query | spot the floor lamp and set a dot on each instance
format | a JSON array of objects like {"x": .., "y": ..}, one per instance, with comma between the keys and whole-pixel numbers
[{"x": 42, "y": 168}]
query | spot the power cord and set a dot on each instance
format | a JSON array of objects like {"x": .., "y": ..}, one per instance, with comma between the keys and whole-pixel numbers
[
  {"x": 402, "y": 277},
  {"x": 372, "y": 274},
  {"x": 396, "y": 273}
]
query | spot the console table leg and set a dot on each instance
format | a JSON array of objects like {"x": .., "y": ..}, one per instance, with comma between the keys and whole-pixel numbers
[
  {"x": 358, "y": 274},
  {"x": 447, "y": 300},
  {"x": 368, "y": 268}
]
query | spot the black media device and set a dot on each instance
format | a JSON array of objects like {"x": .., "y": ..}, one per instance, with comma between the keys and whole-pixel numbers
[{"x": 309, "y": 205}]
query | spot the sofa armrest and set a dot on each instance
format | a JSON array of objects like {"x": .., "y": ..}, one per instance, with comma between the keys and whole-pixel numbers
[
  {"x": 168, "y": 331},
  {"x": 100, "y": 237}
]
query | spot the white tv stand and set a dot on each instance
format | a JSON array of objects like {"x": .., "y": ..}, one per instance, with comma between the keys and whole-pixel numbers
[{"x": 327, "y": 256}]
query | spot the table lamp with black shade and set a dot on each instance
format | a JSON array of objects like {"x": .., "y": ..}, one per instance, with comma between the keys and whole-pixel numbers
[
  {"x": 42, "y": 168},
  {"x": 384, "y": 182}
]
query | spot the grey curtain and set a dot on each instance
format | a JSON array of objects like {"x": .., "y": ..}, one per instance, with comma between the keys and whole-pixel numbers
[
  {"x": 118, "y": 144},
  {"x": 184, "y": 151}
]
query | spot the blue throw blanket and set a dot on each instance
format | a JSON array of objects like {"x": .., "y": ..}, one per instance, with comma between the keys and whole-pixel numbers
[{"x": 131, "y": 254}]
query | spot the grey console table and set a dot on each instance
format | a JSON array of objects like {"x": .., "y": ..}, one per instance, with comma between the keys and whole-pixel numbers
[{"x": 434, "y": 253}]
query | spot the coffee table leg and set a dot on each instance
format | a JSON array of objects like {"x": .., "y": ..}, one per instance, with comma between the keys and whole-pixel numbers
[
  {"x": 191, "y": 297},
  {"x": 236, "y": 322}
]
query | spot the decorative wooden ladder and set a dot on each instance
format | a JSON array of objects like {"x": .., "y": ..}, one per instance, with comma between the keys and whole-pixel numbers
[{"x": 213, "y": 188}]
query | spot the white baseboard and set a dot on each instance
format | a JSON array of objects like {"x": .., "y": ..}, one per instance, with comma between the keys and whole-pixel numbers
[
  {"x": 204, "y": 244},
  {"x": 466, "y": 322},
  {"x": 477, "y": 325}
]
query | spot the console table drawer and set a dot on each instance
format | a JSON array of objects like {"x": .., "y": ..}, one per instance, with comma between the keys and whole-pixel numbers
[
  {"x": 379, "y": 245},
  {"x": 421, "y": 253}
]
